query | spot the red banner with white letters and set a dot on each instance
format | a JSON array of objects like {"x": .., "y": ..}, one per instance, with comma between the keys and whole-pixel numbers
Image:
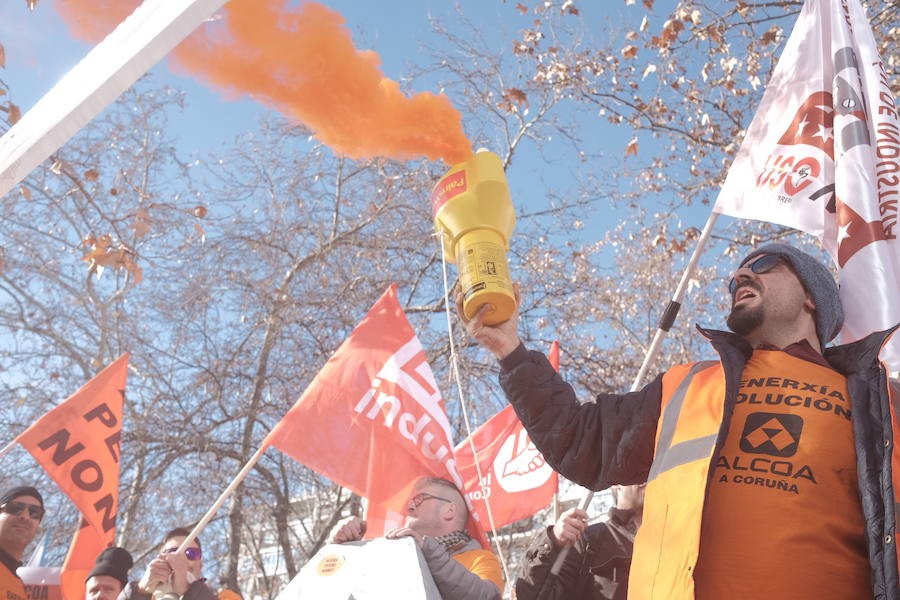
[
  {"x": 373, "y": 419},
  {"x": 515, "y": 478}
]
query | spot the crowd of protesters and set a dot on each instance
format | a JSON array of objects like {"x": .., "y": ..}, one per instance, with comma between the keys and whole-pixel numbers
[{"x": 712, "y": 440}]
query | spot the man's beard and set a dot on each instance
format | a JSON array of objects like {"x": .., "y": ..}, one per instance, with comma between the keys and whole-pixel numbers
[{"x": 744, "y": 321}]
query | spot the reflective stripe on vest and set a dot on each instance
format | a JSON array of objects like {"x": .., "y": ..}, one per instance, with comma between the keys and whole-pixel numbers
[
  {"x": 668, "y": 456},
  {"x": 668, "y": 540}
]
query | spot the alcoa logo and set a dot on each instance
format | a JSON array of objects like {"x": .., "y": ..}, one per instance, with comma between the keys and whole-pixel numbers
[{"x": 519, "y": 466}]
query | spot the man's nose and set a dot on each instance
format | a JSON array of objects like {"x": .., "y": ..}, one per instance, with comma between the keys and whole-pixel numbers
[{"x": 743, "y": 274}]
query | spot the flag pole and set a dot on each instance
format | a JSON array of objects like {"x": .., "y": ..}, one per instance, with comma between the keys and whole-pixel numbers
[
  {"x": 7, "y": 447},
  {"x": 222, "y": 497},
  {"x": 454, "y": 365},
  {"x": 662, "y": 330}
]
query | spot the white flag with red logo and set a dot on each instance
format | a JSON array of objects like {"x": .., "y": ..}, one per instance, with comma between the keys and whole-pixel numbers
[
  {"x": 515, "y": 478},
  {"x": 373, "y": 420},
  {"x": 823, "y": 155}
]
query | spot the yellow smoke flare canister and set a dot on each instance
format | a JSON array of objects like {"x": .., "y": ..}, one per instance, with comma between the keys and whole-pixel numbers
[{"x": 474, "y": 214}]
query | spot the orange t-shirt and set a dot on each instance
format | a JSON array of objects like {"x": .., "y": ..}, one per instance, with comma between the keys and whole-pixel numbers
[
  {"x": 484, "y": 564},
  {"x": 782, "y": 519}
]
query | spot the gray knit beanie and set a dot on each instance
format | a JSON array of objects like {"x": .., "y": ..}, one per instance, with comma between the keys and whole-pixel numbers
[{"x": 818, "y": 283}]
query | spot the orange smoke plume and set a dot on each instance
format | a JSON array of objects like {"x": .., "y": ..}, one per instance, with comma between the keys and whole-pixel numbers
[{"x": 301, "y": 61}]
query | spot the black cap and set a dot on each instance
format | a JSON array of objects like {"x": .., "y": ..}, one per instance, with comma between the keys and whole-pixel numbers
[
  {"x": 114, "y": 562},
  {"x": 22, "y": 490}
]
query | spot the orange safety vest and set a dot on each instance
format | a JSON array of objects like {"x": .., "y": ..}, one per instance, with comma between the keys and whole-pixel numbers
[{"x": 667, "y": 543}]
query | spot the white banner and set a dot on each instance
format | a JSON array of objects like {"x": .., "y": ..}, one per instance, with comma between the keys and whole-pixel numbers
[{"x": 823, "y": 155}]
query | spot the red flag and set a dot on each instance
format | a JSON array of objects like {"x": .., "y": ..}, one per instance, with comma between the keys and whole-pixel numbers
[
  {"x": 517, "y": 480},
  {"x": 822, "y": 155},
  {"x": 77, "y": 443},
  {"x": 373, "y": 420}
]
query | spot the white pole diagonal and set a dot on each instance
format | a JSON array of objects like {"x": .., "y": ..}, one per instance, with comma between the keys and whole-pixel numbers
[{"x": 138, "y": 43}]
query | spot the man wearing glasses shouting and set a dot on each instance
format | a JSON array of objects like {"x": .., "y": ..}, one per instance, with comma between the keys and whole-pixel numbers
[
  {"x": 436, "y": 517},
  {"x": 769, "y": 470},
  {"x": 177, "y": 574},
  {"x": 21, "y": 511}
]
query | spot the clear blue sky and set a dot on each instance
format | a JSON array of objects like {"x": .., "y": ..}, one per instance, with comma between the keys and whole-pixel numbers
[{"x": 40, "y": 50}]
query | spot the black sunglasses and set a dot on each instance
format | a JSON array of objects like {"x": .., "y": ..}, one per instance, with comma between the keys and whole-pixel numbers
[
  {"x": 15, "y": 508},
  {"x": 760, "y": 266}
]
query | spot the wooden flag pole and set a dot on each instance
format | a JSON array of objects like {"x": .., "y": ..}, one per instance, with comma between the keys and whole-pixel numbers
[
  {"x": 222, "y": 497},
  {"x": 665, "y": 324}
]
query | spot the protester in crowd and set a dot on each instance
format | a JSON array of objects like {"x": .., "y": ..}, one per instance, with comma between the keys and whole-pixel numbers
[
  {"x": 436, "y": 519},
  {"x": 109, "y": 575},
  {"x": 21, "y": 511},
  {"x": 173, "y": 570},
  {"x": 769, "y": 471},
  {"x": 596, "y": 567},
  {"x": 226, "y": 594}
]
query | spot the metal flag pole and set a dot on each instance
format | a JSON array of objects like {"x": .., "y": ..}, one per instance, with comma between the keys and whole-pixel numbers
[{"x": 665, "y": 323}]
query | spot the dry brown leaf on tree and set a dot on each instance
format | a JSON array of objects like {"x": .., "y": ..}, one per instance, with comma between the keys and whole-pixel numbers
[
  {"x": 103, "y": 254},
  {"x": 568, "y": 8},
  {"x": 629, "y": 51},
  {"x": 13, "y": 114},
  {"x": 200, "y": 211},
  {"x": 771, "y": 35},
  {"x": 632, "y": 148},
  {"x": 25, "y": 192},
  {"x": 522, "y": 8},
  {"x": 141, "y": 223},
  {"x": 91, "y": 175},
  {"x": 2, "y": 56},
  {"x": 513, "y": 98}
]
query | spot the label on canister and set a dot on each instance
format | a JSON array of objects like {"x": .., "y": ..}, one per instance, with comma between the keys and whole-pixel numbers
[{"x": 481, "y": 265}]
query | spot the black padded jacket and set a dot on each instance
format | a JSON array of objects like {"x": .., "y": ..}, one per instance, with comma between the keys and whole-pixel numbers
[{"x": 611, "y": 441}]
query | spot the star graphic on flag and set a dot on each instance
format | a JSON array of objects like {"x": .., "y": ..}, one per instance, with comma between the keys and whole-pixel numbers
[
  {"x": 843, "y": 233},
  {"x": 824, "y": 133},
  {"x": 863, "y": 232},
  {"x": 801, "y": 126}
]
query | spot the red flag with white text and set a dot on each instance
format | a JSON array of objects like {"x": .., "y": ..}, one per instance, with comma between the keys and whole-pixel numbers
[
  {"x": 516, "y": 480},
  {"x": 823, "y": 155},
  {"x": 373, "y": 420}
]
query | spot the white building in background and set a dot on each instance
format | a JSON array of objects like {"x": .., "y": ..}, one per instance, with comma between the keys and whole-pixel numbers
[{"x": 262, "y": 566}]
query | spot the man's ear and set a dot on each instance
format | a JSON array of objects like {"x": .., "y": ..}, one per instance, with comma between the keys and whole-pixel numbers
[
  {"x": 809, "y": 304},
  {"x": 449, "y": 511}
]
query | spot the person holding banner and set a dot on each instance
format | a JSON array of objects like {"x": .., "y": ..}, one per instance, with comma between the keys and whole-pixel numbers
[
  {"x": 181, "y": 571},
  {"x": 769, "y": 471},
  {"x": 436, "y": 520},
  {"x": 21, "y": 511},
  {"x": 597, "y": 567},
  {"x": 109, "y": 575}
]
